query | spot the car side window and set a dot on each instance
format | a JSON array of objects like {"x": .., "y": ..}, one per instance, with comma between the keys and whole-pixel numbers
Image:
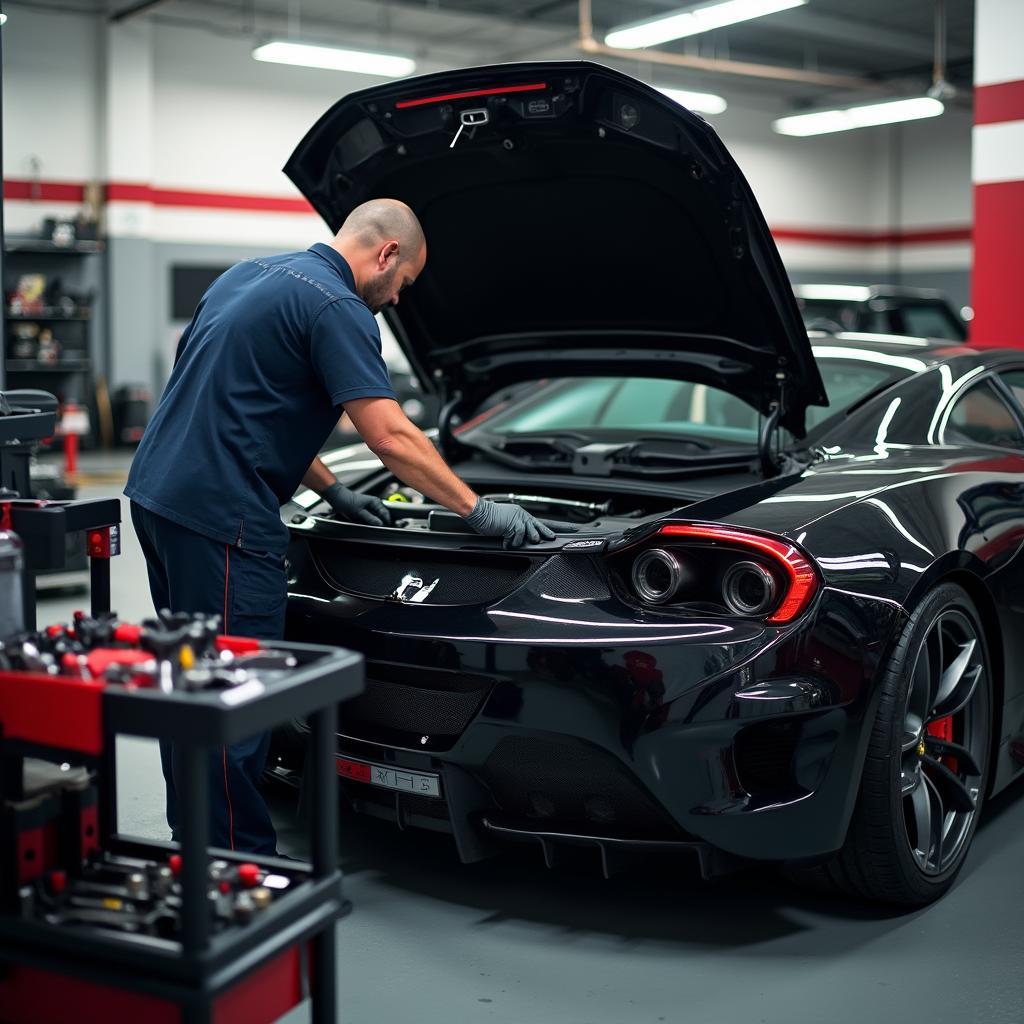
[
  {"x": 981, "y": 416},
  {"x": 1014, "y": 380},
  {"x": 930, "y": 321}
]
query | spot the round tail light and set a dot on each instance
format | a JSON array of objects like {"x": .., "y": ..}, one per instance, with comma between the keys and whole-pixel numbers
[
  {"x": 657, "y": 575},
  {"x": 749, "y": 589}
]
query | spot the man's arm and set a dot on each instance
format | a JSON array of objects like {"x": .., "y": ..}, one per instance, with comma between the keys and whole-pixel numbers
[
  {"x": 318, "y": 477},
  {"x": 407, "y": 452}
]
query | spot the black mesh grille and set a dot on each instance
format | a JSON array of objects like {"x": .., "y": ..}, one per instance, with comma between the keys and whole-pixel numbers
[
  {"x": 570, "y": 785},
  {"x": 572, "y": 576},
  {"x": 438, "y": 706},
  {"x": 377, "y": 572},
  {"x": 764, "y": 757}
]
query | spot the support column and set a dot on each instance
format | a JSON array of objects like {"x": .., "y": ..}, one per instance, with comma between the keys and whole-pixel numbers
[
  {"x": 998, "y": 172},
  {"x": 128, "y": 156}
]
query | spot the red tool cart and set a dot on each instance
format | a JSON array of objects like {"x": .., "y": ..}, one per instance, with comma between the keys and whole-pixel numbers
[{"x": 99, "y": 927}]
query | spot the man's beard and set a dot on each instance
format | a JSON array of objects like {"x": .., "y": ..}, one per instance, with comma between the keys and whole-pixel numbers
[{"x": 377, "y": 292}]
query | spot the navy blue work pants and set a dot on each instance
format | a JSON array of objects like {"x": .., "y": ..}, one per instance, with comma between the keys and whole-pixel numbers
[{"x": 192, "y": 573}]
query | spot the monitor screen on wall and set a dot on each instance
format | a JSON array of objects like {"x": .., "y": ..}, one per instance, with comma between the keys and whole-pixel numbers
[{"x": 188, "y": 283}]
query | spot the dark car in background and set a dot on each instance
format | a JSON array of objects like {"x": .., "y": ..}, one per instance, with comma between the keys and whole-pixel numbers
[
  {"x": 879, "y": 309},
  {"x": 786, "y": 626}
]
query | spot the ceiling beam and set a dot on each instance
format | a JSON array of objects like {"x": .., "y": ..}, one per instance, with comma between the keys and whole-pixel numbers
[
  {"x": 803, "y": 21},
  {"x": 746, "y": 69},
  {"x": 133, "y": 10}
]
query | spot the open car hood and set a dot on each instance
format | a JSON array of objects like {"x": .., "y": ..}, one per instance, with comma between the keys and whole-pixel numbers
[{"x": 590, "y": 226}]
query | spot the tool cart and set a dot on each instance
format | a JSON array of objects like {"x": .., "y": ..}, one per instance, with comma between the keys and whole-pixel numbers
[{"x": 96, "y": 926}]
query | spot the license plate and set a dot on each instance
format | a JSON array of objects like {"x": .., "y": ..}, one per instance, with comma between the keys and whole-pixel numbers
[{"x": 420, "y": 783}]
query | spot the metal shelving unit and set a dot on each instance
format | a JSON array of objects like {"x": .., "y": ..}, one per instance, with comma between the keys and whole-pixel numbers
[
  {"x": 44, "y": 246},
  {"x": 70, "y": 376}
]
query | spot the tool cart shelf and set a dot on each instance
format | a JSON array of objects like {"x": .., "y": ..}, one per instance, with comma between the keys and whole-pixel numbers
[{"x": 209, "y": 970}]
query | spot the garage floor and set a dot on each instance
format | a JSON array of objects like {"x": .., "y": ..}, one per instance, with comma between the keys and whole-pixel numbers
[{"x": 508, "y": 941}]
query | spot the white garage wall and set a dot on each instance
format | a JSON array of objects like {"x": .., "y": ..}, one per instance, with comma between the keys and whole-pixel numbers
[
  {"x": 814, "y": 183},
  {"x": 228, "y": 122},
  {"x": 52, "y": 95},
  {"x": 220, "y": 122},
  {"x": 52, "y": 106}
]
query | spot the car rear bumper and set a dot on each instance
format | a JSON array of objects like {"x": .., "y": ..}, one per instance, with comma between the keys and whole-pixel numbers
[{"x": 747, "y": 741}]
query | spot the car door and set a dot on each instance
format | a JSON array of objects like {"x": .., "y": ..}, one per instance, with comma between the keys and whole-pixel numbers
[{"x": 997, "y": 508}]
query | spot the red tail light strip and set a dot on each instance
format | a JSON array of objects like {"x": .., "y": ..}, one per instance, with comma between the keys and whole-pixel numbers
[
  {"x": 469, "y": 94},
  {"x": 801, "y": 578}
]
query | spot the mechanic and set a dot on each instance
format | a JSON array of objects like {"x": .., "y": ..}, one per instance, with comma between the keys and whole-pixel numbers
[{"x": 276, "y": 350}]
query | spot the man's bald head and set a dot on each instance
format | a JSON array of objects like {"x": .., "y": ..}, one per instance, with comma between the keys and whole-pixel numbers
[
  {"x": 383, "y": 243},
  {"x": 381, "y": 220}
]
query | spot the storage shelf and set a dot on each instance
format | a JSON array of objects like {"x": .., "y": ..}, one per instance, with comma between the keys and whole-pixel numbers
[
  {"x": 51, "y": 315},
  {"x": 31, "y": 366},
  {"x": 71, "y": 320},
  {"x": 41, "y": 245}
]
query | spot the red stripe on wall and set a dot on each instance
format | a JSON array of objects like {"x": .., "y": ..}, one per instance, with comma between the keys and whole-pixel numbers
[
  {"x": 853, "y": 237},
  {"x": 1001, "y": 102},
  {"x": 45, "y": 191},
  {"x": 120, "y": 191},
  {"x": 995, "y": 281},
  {"x": 138, "y": 192}
]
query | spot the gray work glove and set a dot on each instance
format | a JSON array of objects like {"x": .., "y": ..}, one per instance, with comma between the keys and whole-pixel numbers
[
  {"x": 512, "y": 523},
  {"x": 357, "y": 508}
]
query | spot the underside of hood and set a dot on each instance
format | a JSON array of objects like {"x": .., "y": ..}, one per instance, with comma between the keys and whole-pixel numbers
[{"x": 582, "y": 223}]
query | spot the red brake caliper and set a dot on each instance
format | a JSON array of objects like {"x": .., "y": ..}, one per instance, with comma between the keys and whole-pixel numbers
[{"x": 942, "y": 729}]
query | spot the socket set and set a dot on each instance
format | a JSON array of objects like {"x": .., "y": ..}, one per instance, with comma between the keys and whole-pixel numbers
[
  {"x": 170, "y": 652},
  {"x": 144, "y": 897}
]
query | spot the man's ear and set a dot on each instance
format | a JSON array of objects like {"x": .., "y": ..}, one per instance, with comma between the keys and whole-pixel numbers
[{"x": 387, "y": 255}]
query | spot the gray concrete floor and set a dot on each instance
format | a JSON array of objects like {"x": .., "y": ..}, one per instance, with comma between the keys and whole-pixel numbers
[{"x": 507, "y": 941}]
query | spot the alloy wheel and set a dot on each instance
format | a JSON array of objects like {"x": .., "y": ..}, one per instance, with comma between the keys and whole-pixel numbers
[{"x": 945, "y": 740}]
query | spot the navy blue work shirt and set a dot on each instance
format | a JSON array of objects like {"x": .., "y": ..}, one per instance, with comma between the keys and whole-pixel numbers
[{"x": 276, "y": 346}]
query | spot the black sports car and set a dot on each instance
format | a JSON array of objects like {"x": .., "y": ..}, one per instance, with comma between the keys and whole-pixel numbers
[
  {"x": 783, "y": 630},
  {"x": 880, "y": 309}
]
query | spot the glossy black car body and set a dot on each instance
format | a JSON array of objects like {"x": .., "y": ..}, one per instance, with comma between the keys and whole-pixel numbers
[
  {"x": 553, "y": 704},
  {"x": 546, "y": 698}
]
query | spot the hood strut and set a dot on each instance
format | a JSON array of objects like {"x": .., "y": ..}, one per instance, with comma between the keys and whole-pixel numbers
[
  {"x": 771, "y": 463},
  {"x": 769, "y": 428},
  {"x": 447, "y": 443}
]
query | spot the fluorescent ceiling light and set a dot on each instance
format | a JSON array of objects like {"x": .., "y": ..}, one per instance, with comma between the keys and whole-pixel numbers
[
  {"x": 837, "y": 292},
  {"x": 384, "y": 65},
  {"x": 705, "y": 102},
  {"x": 3, "y": 18},
  {"x": 890, "y": 112},
  {"x": 692, "y": 21}
]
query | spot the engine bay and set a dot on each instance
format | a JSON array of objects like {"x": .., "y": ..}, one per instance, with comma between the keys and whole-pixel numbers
[{"x": 411, "y": 510}]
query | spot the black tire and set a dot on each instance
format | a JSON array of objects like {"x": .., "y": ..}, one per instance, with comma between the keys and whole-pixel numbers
[{"x": 886, "y": 857}]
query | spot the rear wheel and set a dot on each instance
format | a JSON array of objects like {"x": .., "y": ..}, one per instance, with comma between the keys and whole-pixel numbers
[{"x": 927, "y": 763}]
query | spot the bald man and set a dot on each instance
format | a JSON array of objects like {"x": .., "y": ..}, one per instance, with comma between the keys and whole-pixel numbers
[{"x": 277, "y": 349}]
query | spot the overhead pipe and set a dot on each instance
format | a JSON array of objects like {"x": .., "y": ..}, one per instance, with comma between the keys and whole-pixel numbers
[
  {"x": 748, "y": 69},
  {"x": 133, "y": 10},
  {"x": 940, "y": 88}
]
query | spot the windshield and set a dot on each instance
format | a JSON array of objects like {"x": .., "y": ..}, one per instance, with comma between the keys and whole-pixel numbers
[{"x": 595, "y": 406}]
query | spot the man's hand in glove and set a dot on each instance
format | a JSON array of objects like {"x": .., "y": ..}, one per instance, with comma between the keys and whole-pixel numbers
[
  {"x": 357, "y": 508},
  {"x": 512, "y": 523}
]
